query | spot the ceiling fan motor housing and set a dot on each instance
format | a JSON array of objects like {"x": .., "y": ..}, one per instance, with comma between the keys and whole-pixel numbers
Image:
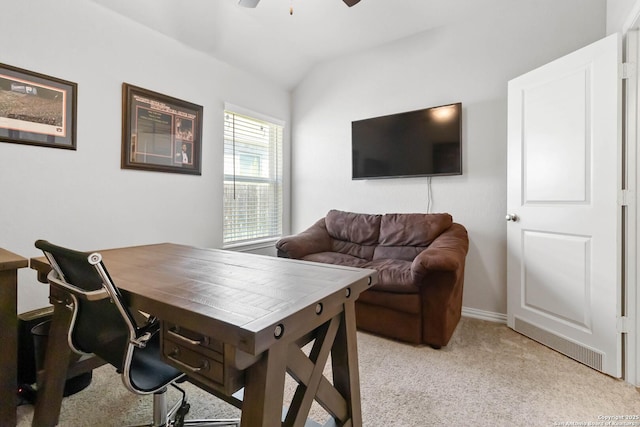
[{"x": 254, "y": 3}]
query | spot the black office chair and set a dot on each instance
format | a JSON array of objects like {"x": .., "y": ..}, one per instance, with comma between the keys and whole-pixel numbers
[{"x": 103, "y": 325}]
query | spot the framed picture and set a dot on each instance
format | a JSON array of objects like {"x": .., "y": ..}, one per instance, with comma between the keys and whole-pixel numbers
[
  {"x": 37, "y": 109},
  {"x": 160, "y": 133}
]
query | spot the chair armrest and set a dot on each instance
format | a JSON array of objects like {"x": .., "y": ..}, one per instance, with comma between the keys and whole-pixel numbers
[
  {"x": 79, "y": 292},
  {"x": 446, "y": 253},
  {"x": 313, "y": 240}
]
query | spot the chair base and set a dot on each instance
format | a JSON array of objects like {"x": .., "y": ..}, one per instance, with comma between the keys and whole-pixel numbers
[{"x": 162, "y": 417}]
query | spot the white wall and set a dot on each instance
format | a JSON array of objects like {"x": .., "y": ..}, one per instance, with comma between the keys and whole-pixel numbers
[
  {"x": 470, "y": 62},
  {"x": 621, "y": 14},
  {"x": 82, "y": 198}
]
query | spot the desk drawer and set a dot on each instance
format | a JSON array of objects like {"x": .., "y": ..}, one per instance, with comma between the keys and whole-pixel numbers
[
  {"x": 194, "y": 339},
  {"x": 195, "y": 363},
  {"x": 202, "y": 358}
]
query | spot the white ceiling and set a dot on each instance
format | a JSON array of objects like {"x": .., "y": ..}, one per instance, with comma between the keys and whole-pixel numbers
[{"x": 268, "y": 41}]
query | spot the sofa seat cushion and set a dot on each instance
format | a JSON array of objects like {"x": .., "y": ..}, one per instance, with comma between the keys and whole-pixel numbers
[
  {"x": 407, "y": 253},
  {"x": 394, "y": 275},
  {"x": 336, "y": 258}
]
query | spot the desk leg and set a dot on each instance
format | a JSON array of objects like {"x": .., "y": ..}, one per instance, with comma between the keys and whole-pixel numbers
[
  {"x": 9, "y": 339},
  {"x": 344, "y": 359},
  {"x": 58, "y": 354},
  {"x": 264, "y": 389}
]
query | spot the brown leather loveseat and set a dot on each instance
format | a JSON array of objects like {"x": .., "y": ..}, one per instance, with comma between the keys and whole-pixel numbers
[{"x": 420, "y": 262}]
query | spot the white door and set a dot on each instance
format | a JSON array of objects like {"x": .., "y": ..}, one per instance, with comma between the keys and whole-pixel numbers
[{"x": 563, "y": 244}]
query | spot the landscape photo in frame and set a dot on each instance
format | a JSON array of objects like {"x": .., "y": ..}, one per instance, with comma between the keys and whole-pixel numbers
[{"x": 37, "y": 109}]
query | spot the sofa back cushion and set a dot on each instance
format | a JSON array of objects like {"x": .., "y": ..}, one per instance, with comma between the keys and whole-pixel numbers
[
  {"x": 353, "y": 233},
  {"x": 403, "y": 236},
  {"x": 363, "y": 229}
]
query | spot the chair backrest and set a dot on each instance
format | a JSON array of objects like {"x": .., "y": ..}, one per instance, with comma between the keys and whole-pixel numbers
[{"x": 101, "y": 324}]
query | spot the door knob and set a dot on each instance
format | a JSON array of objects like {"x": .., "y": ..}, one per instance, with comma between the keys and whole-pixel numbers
[{"x": 512, "y": 217}]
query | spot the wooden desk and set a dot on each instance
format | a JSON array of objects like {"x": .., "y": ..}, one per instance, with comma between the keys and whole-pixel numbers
[
  {"x": 255, "y": 313},
  {"x": 9, "y": 265}
]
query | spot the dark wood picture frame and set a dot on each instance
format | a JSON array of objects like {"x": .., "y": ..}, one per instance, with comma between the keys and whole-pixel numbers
[
  {"x": 160, "y": 133},
  {"x": 37, "y": 109}
]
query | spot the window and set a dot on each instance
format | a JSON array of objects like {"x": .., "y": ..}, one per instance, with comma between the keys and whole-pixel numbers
[{"x": 252, "y": 178}]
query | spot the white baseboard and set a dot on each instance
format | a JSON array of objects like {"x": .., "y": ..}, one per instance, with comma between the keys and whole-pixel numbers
[{"x": 474, "y": 313}]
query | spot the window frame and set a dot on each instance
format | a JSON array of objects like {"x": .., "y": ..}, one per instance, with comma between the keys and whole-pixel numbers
[{"x": 258, "y": 242}]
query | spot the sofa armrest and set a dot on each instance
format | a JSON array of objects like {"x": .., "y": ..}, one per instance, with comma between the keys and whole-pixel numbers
[
  {"x": 313, "y": 240},
  {"x": 446, "y": 253}
]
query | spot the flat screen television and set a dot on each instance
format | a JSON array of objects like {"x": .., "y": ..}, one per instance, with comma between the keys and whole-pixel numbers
[{"x": 424, "y": 142}]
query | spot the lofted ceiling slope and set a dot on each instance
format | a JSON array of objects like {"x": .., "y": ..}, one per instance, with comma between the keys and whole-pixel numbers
[{"x": 270, "y": 42}]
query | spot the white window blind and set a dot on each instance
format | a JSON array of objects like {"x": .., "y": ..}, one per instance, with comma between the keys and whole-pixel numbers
[{"x": 252, "y": 179}]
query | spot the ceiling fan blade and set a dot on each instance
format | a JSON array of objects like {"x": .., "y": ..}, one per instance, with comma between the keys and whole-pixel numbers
[
  {"x": 249, "y": 3},
  {"x": 350, "y": 2}
]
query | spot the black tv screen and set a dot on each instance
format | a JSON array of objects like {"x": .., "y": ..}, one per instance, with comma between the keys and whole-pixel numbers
[{"x": 424, "y": 142}]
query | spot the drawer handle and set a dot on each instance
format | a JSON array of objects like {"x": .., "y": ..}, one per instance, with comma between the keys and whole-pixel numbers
[
  {"x": 203, "y": 366},
  {"x": 185, "y": 339}
]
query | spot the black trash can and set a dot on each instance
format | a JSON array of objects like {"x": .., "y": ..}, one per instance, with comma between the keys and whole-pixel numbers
[{"x": 40, "y": 334}]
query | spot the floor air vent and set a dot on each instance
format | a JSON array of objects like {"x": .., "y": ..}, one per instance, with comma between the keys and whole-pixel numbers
[{"x": 578, "y": 352}]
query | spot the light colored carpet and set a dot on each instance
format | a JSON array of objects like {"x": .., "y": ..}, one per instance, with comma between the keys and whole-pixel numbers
[{"x": 488, "y": 375}]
